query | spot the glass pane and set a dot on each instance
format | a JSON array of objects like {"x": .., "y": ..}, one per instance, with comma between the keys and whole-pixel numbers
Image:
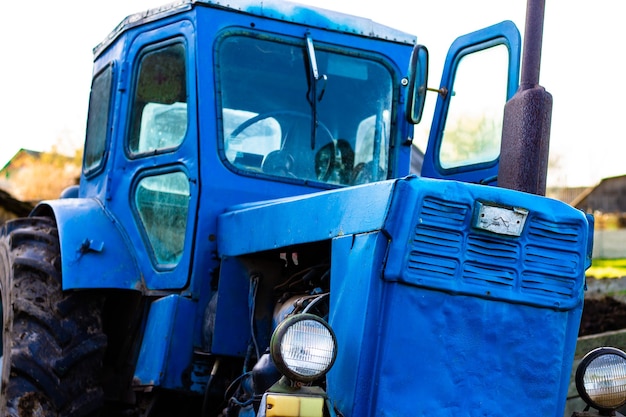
[
  {"x": 98, "y": 119},
  {"x": 269, "y": 108},
  {"x": 474, "y": 125},
  {"x": 159, "y": 113},
  {"x": 162, "y": 202},
  {"x": 259, "y": 138}
]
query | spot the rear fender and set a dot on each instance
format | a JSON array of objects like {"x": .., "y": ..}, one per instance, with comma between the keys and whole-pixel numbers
[{"x": 95, "y": 252}]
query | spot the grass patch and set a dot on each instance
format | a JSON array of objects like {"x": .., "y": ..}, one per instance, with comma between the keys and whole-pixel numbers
[{"x": 607, "y": 268}]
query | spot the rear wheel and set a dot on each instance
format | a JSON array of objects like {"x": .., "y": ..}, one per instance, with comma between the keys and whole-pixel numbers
[{"x": 52, "y": 341}]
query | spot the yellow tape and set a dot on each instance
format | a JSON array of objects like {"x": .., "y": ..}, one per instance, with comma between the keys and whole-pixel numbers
[{"x": 293, "y": 406}]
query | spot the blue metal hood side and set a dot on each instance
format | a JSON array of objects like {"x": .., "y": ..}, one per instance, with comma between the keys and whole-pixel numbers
[
  {"x": 474, "y": 322},
  {"x": 95, "y": 252},
  {"x": 309, "y": 218}
]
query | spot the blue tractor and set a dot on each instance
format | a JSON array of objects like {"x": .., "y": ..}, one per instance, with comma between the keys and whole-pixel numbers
[{"x": 249, "y": 239}]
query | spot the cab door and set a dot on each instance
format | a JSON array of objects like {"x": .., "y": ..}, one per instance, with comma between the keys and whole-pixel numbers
[
  {"x": 155, "y": 181},
  {"x": 481, "y": 73}
]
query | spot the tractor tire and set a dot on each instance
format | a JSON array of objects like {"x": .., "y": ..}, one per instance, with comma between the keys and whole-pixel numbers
[{"x": 52, "y": 340}]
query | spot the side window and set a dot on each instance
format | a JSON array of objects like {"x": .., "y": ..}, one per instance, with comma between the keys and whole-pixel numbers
[
  {"x": 159, "y": 112},
  {"x": 474, "y": 126},
  {"x": 98, "y": 120},
  {"x": 162, "y": 202}
]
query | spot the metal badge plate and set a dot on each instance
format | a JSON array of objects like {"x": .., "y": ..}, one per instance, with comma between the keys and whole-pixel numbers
[{"x": 500, "y": 220}]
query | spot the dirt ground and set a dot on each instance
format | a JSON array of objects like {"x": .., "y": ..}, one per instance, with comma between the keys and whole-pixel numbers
[{"x": 602, "y": 314}]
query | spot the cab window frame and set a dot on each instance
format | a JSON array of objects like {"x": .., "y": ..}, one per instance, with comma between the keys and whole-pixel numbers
[
  {"x": 98, "y": 145},
  {"x": 134, "y": 120},
  {"x": 376, "y": 59},
  {"x": 150, "y": 228}
]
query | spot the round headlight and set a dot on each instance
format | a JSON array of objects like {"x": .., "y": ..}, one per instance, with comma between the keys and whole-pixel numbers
[
  {"x": 601, "y": 378},
  {"x": 303, "y": 347}
]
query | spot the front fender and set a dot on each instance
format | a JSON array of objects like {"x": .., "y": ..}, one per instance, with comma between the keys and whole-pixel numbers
[{"x": 95, "y": 252}]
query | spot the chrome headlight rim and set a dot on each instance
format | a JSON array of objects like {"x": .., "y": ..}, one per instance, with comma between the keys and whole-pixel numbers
[
  {"x": 278, "y": 343},
  {"x": 591, "y": 358}
]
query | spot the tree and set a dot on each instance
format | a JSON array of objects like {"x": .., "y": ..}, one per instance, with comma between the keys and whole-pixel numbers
[
  {"x": 44, "y": 176},
  {"x": 471, "y": 140}
]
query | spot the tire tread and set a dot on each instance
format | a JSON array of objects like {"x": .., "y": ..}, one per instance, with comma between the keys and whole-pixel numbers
[{"x": 57, "y": 337}]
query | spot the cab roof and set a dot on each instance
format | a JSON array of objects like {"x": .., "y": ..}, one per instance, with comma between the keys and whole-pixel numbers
[{"x": 273, "y": 9}]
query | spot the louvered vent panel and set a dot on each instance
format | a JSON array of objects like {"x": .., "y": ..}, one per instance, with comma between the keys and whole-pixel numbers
[
  {"x": 548, "y": 285},
  {"x": 555, "y": 233},
  {"x": 445, "y": 213},
  {"x": 429, "y": 266},
  {"x": 487, "y": 275},
  {"x": 432, "y": 240},
  {"x": 490, "y": 261},
  {"x": 438, "y": 240},
  {"x": 551, "y": 261},
  {"x": 492, "y": 250},
  {"x": 541, "y": 266}
]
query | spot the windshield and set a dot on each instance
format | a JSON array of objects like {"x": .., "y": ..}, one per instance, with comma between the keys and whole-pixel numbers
[{"x": 271, "y": 105}]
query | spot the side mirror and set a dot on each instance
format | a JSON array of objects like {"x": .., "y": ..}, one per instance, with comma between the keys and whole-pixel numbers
[{"x": 418, "y": 84}]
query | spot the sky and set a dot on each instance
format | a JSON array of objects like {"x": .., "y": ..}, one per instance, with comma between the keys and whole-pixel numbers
[{"x": 47, "y": 66}]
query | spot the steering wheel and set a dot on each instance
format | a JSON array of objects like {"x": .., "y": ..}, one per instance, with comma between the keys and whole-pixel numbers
[
  {"x": 324, "y": 166},
  {"x": 366, "y": 172}
]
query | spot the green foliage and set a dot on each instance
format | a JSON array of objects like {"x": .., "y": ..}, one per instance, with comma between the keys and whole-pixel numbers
[
  {"x": 471, "y": 140},
  {"x": 607, "y": 268}
]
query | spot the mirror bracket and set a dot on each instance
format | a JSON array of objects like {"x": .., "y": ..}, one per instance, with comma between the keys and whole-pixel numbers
[{"x": 443, "y": 91}]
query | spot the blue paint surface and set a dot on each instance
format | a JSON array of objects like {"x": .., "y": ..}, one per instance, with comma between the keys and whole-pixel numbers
[
  {"x": 167, "y": 348},
  {"x": 95, "y": 251},
  {"x": 442, "y": 339},
  {"x": 303, "y": 219}
]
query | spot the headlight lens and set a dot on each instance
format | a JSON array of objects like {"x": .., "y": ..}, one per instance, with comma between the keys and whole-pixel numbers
[
  {"x": 601, "y": 378},
  {"x": 303, "y": 347}
]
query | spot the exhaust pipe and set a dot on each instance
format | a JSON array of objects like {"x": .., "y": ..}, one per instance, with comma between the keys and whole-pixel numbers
[{"x": 527, "y": 117}]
